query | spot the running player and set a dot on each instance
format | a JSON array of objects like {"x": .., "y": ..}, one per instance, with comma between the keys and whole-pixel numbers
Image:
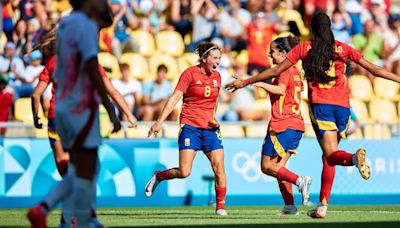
[
  {"x": 78, "y": 77},
  {"x": 286, "y": 126},
  {"x": 199, "y": 86},
  {"x": 324, "y": 61}
]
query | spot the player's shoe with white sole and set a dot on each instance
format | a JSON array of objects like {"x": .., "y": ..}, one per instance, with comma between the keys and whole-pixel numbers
[
  {"x": 221, "y": 212},
  {"x": 151, "y": 185},
  {"x": 304, "y": 189},
  {"x": 289, "y": 210},
  {"x": 319, "y": 212},
  {"x": 362, "y": 165}
]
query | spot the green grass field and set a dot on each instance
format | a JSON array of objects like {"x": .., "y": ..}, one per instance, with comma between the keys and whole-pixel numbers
[{"x": 338, "y": 216}]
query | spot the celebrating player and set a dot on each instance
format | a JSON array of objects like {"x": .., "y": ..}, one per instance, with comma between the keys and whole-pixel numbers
[
  {"x": 286, "y": 126},
  {"x": 324, "y": 61},
  {"x": 78, "y": 77},
  {"x": 199, "y": 86}
]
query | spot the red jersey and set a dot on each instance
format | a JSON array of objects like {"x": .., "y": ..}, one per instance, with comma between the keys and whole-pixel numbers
[
  {"x": 258, "y": 44},
  {"x": 200, "y": 95},
  {"x": 335, "y": 92},
  {"x": 47, "y": 76},
  {"x": 286, "y": 109}
]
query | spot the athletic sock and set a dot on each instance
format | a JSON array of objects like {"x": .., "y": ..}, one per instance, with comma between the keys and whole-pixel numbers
[
  {"x": 286, "y": 175},
  {"x": 163, "y": 175},
  {"x": 68, "y": 204},
  {"x": 286, "y": 192},
  {"x": 220, "y": 193},
  {"x": 340, "y": 157},
  {"x": 62, "y": 167},
  {"x": 83, "y": 197},
  {"x": 60, "y": 191},
  {"x": 327, "y": 177}
]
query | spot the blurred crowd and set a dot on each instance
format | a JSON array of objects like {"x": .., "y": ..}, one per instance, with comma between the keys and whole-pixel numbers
[{"x": 243, "y": 29}]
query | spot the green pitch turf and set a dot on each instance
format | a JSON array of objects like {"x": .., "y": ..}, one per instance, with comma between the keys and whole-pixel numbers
[{"x": 338, "y": 216}]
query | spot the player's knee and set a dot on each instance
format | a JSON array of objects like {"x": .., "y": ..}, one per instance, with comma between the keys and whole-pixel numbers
[
  {"x": 266, "y": 168},
  {"x": 185, "y": 173},
  {"x": 219, "y": 170}
]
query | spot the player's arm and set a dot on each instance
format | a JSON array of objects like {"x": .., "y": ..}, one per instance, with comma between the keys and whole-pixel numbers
[
  {"x": 378, "y": 71},
  {"x": 119, "y": 101},
  {"x": 92, "y": 67},
  {"x": 265, "y": 75},
  {"x": 35, "y": 102},
  {"x": 168, "y": 108},
  {"x": 274, "y": 89}
]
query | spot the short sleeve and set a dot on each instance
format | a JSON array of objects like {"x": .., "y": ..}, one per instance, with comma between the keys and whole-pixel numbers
[
  {"x": 147, "y": 88},
  {"x": 87, "y": 41},
  {"x": 284, "y": 78},
  {"x": 46, "y": 74},
  {"x": 184, "y": 81},
  {"x": 296, "y": 53},
  {"x": 353, "y": 54}
]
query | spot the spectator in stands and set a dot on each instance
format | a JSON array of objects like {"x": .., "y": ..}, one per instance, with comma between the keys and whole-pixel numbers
[
  {"x": 232, "y": 23},
  {"x": 123, "y": 19},
  {"x": 6, "y": 101},
  {"x": 354, "y": 9},
  {"x": 378, "y": 14},
  {"x": 181, "y": 16},
  {"x": 391, "y": 44},
  {"x": 290, "y": 16},
  {"x": 154, "y": 17},
  {"x": 31, "y": 75},
  {"x": 341, "y": 24},
  {"x": 12, "y": 65},
  {"x": 129, "y": 88},
  {"x": 259, "y": 36},
  {"x": 8, "y": 17},
  {"x": 205, "y": 17},
  {"x": 270, "y": 12},
  {"x": 19, "y": 37},
  {"x": 155, "y": 94}
]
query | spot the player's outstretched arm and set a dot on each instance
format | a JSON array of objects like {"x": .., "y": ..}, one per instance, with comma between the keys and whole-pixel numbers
[
  {"x": 275, "y": 89},
  {"x": 168, "y": 108},
  {"x": 92, "y": 68},
  {"x": 378, "y": 71},
  {"x": 35, "y": 102},
  {"x": 265, "y": 75},
  {"x": 119, "y": 101}
]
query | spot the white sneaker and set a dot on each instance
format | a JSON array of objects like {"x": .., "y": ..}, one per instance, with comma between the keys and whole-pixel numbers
[
  {"x": 319, "y": 212},
  {"x": 151, "y": 186},
  {"x": 221, "y": 212},
  {"x": 289, "y": 210},
  {"x": 304, "y": 189}
]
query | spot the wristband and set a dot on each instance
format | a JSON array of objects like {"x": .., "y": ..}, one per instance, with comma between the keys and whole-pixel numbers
[{"x": 247, "y": 82}]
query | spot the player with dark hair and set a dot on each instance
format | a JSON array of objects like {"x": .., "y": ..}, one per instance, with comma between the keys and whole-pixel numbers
[
  {"x": 199, "y": 86},
  {"x": 324, "y": 61},
  {"x": 286, "y": 126}
]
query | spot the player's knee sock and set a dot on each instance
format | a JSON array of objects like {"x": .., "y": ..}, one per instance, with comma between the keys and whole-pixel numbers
[
  {"x": 286, "y": 192},
  {"x": 68, "y": 204},
  {"x": 83, "y": 197},
  {"x": 163, "y": 175},
  {"x": 220, "y": 193},
  {"x": 286, "y": 175},
  {"x": 62, "y": 167},
  {"x": 60, "y": 191},
  {"x": 340, "y": 157},
  {"x": 327, "y": 177}
]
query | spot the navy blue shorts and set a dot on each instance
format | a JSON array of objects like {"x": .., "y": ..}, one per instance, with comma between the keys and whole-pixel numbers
[
  {"x": 192, "y": 138},
  {"x": 51, "y": 131},
  {"x": 326, "y": 117},
  {"x": 281, "y": 143}
]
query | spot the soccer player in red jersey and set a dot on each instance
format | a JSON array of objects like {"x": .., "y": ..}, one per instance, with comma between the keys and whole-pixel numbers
[
  {"x": 199, "y": 86},
  {"x": 324, "y": 61},
  {"x": 286, "y": 126}
]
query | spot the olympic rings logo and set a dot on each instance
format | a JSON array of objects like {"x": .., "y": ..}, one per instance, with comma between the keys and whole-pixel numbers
[{"x": 248, "y": 166}]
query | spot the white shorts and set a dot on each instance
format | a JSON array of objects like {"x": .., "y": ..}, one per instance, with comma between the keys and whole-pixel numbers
[{"x": 69, "y": 126}]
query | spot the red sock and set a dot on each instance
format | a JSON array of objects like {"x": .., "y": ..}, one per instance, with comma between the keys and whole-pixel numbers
[
  {"x": 340, "y": 157},
  {"x": 286, "y": 175},
  {"x": 220, "y": 193},
  {"x": 62, "y": 167},
  {"x": 327, "y": 176},
  {"x": 163, "y": 175},
  {"x": 286, "y": 191}
]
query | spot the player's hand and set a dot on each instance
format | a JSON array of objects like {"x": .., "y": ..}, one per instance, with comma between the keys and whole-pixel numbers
[
  {"x": 234, "y": 85},
  {"x": 154, "y": 129},
  {"x": 116, "y": 124},
  {"x": 132, "y": 121},
  {"x": 36, "y": 122},
  {"x": 258, "y": 84}
]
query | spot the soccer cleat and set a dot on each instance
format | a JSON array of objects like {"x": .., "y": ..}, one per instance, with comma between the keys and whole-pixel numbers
[
  {"x": 289, "y": 210},
  {"x": 36, "y": 217},
  {"x": 221, "y": 212},
  {"x": 304, "y": 189},
  {"x": 151, "y": 185},
  {"x": 319, "y": 212},
  {"x": 362, "y": 165}
]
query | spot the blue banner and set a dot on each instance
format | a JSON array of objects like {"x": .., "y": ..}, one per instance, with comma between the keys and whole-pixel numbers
[{"x": 28, "y": 172}]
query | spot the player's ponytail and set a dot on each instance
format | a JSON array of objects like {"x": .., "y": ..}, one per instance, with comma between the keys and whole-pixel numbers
[
  {"x": 318, "y": 60},
  {"x": 204, "y": 48},
  {"x": 286, "y": 43}
]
